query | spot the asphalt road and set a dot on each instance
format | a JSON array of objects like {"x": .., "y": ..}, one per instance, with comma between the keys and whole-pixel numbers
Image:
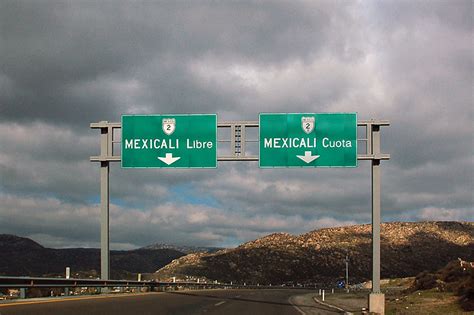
[{"x": 209, "y": 302}]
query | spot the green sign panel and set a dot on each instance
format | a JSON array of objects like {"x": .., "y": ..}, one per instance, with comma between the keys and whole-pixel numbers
[
  {"x": 308, "y": 140},
  {"x": 169, "y": 141}
]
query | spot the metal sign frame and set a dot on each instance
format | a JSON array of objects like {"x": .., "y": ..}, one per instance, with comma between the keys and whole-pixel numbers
[{"x": 238, "y": 152}]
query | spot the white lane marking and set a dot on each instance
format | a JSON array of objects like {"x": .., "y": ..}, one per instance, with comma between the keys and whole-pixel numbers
[
  {"x": 220, "y": 303},
  {"x": 328, "y": 305},
  {"x": 296, "y": 307}
]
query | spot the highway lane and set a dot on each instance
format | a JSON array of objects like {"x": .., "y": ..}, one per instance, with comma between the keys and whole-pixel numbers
[{"x": 208, "y": 302}]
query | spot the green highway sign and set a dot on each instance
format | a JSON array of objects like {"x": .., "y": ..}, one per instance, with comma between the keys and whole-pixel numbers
[
  {"x": 169, "y": 141},
  {"x": 308, "y": 140}
]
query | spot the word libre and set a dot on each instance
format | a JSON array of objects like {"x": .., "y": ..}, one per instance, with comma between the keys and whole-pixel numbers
[
  {"x": 169, "y": 141},
  {"x": 308, "y": 140},
  {"x": 139, "y": 144}
]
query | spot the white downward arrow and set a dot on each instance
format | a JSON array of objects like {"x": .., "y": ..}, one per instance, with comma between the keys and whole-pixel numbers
[
  {"x": 307, "y": 157},
  {"x": 169, "y": 159}
]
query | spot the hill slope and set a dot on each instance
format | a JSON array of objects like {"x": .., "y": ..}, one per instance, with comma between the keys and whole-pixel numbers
[
  {"x": 183, "y": 248},
  {"x": 318, "y": 256},
  {"x": 21, "y": 256}
]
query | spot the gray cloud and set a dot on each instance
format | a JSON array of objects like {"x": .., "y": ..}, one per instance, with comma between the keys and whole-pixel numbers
[
  {"x": 66, "y": 60},
  {"x": 66, "y": 64}
]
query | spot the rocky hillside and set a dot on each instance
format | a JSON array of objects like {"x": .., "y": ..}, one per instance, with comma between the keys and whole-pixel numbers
[
  {"x": 318, "y": 256},
  {"x": 21, "y": 256},
  {"x": 183, "y": 248}
]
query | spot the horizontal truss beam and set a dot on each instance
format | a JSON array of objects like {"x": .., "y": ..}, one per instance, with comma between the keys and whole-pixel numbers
[{"x": 240, "y": 156}]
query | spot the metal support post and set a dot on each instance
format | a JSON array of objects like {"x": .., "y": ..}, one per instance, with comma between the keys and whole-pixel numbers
[
  {"x": 376, "y": 226},
  {"x": 376, "y": 211},
  {"x": 104, "y": 221},
  {"x": 376, "y": 298},
  {"x": 104, "y": 204}
]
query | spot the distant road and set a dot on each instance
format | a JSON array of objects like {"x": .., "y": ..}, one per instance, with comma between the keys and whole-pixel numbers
[{"x": 228, "y": 302}]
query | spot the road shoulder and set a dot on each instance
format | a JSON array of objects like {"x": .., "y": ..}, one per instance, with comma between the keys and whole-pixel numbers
[{"x": 305, "y": 304}]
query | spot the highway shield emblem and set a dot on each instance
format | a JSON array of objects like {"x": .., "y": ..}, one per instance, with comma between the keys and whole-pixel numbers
[
  {"x": 307, "y": 123},
  {"x": 168, "y": 125}
]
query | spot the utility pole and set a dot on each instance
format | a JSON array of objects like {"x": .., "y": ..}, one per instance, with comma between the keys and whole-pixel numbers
[{"x": 347, "y": 273}]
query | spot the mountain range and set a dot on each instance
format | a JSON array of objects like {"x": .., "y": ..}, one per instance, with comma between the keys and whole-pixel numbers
[
  {"x": 184, "y": 248},
  {"x": 20, "y": 256},
  {"x": 318, "y": 256}
]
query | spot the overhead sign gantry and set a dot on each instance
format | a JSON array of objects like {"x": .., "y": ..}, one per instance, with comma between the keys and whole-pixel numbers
[{"x": 286, "y": 140}]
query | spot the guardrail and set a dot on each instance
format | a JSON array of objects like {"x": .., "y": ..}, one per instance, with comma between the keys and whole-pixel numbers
[
  {"x": 24, "y": 283},
  {"x": 38, "y": 282}
]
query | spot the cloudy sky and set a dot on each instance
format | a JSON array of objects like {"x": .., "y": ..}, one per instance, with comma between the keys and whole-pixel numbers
[{"x": 65, "y": 64}]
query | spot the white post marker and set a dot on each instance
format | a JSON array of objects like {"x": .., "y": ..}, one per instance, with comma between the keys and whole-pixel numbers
[
  {"x": 323, "y": 295},
  {"x": 174, "y": 279},
  {"x": 139, "y": 277},
  {"x": 319, "y": 292},
  {"x": 68, "y": 275}
]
